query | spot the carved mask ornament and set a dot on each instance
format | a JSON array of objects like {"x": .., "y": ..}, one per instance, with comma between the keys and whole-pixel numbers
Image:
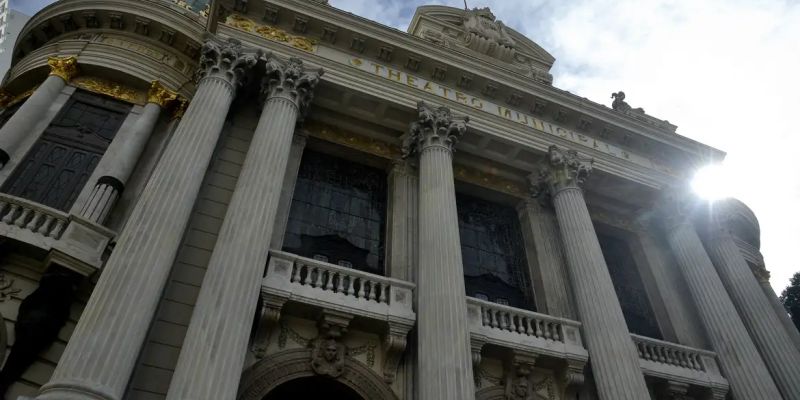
[{"x": 328, "y": 354}]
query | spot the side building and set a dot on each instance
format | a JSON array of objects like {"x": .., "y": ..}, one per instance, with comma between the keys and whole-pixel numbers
[{"x": 308, "y": 204}]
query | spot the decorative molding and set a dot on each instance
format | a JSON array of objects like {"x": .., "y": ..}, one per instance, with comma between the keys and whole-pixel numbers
[
  {"x": 109, "y": 88},
  {"x": 7, "y": 289},
  {"x": 274, "y": 34},
  {"x": 328, "y": 352},
  {"x": 65, "y": 68},
  {"x": 7, "y": 99},
  {"x": 394, "y": 344},
  {"x": 354, "y": 141},
  {"x": 160, "y": 95}
]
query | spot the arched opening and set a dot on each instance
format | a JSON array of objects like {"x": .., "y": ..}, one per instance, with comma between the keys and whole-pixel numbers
[{"x": 313, "y": 387}]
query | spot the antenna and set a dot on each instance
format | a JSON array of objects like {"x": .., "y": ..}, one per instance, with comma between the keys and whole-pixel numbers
[{"x": 465, "y": 6}]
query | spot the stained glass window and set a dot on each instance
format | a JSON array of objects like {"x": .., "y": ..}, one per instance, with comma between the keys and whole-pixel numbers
[
  {"x": 495, "y": 267},
  {"x": 338, "y": 212},
  {"x": 629, "y": 287}
]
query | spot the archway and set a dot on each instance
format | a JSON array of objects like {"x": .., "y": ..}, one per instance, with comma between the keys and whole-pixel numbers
[
  {"x": 313, "y": 387},
  {"x": 271, "y": 373}
]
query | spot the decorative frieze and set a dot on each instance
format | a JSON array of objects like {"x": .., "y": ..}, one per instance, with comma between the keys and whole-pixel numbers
[
  {"x": 271, "y": 33},
  {"x": 110, "y": 88}
]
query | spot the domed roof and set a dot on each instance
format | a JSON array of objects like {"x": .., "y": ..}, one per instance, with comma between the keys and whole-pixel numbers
[{"x": 739, "y": 219}]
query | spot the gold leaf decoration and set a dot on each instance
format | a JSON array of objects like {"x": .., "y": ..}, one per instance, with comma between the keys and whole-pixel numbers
[
  {"x": 352, "y": 140},
  {"x": 490, "y": 181},
  {"x": 245, "y": 24},
  {"x": 112, "y": 89},
  {"x": 65, "y": 68}
]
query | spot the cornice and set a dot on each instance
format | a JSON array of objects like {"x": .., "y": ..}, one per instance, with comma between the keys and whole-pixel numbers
[{"x": 399, "y": 39}]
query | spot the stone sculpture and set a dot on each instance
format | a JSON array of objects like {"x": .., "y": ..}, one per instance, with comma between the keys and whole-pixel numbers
[{"x": 619, "y": 103}]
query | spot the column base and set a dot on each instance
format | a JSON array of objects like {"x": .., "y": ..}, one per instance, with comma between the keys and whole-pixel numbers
[{"x": 72, "y": 391}]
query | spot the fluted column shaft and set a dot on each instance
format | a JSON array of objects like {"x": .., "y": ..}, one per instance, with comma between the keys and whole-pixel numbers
[
  {"x": 540, "y": 231},
  {"x": 738, "y": 357},
  {"x": 614, "y": 359},
  {"x": 783, "y": 316},
  {"x": 773, "y": 342},
  {"x": 213, "y": 353},
  {"x": 402, "y": 226},
  {"x": 22, "y": 122},
  {"x": 100, "y": 356},
  {"x": 443, "y": 347}
]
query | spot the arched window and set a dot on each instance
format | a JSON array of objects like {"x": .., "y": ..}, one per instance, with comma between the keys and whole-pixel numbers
[{"x": 493, "y": 253}]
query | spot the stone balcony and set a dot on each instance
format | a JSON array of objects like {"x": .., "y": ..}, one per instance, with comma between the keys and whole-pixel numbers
[
  {"x": 310, "y": 288},
  {"x": 550, "y": 341},
  {"x": 680, "y": 364},
  {"x": 66, "y": 239}
]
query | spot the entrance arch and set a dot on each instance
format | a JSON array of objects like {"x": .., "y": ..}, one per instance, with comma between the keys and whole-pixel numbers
[
  {"x": 271, "y": 373},
  {"x": 313, "y": 387}
]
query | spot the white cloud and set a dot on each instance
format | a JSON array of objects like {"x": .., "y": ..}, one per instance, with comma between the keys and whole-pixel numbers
[{"x": 724, "y": 71}]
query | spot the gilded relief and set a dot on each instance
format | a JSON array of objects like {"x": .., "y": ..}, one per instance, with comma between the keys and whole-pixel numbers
[{"x": 242, "y": 23}]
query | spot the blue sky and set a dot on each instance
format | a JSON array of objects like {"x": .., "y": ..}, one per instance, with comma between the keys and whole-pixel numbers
[{"x": 724, "y": 71}]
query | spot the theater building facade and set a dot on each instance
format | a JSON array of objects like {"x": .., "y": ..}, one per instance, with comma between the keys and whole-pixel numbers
[{"x": 297, "y": 202}]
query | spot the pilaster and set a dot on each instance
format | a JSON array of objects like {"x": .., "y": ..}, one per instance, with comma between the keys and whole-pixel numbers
[
  {"x": 99, "y": 359},
  {"x": 229, "y": 294},
  {"x": 402, "y": 224},
  {"x": 740, "y": 361},
  {"x": 287, "y": 191},
  {"x": 613, "y": 357},
  {"x": 444, "y": 358}
]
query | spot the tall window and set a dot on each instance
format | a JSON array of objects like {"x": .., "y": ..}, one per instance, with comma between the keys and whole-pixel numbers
[
  {"x": 628, "y": 284},
  {"x": 493, "y": 253},
  {"x": 57, "y": 167},
  {"x": 338, "y": 213}
]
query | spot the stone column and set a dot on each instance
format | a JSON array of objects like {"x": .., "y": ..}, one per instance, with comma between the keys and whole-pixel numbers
[
  {"x": 738, "y": 357},
  {"x": 774, "y": 343},
  {"x": 23, "y": 121},
  {"x": 122, "y": 155},
  {"x": 401, "y": 228},
  {"x": 783, "y": 316},
  {"x": 612, "y": 354},
  {"x": 103, "y": 349},
  {"x": 543, "y": 241},
  {"x": 287, "y": 191},
  {"x": 444, "y": 354},
  {"x": 213, "y": 353}
]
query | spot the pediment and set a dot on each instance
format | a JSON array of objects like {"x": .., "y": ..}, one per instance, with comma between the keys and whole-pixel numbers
[{"x": 478, "y": 33}]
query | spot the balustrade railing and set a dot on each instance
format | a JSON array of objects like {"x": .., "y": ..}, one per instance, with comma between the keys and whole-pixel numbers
[
  {"x": 523, "y": 322},
  {"x": 345, "y": 281},
  {"x": 670, "y": 353},
  {"x": 32, "y": 217}
]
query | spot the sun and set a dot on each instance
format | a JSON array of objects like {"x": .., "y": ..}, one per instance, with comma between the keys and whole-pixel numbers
[{"x": 712, "y": 182}]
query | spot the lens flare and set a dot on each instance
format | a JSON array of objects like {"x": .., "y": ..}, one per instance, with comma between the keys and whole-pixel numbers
[{"x": 712, "y": 182}]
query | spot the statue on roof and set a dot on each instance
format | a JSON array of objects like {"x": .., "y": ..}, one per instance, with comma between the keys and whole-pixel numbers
[
  {"x": 485, "y": 34},
  {"x": 619, "y": 104}
]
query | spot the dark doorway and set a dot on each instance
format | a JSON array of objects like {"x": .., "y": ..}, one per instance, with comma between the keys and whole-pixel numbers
[
  {"x": 55, "y": 170},
  {"x": 315, "y": 387}
]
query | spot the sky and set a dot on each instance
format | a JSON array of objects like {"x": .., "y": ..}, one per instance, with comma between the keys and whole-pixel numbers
[{"x": 724, "y": 71}]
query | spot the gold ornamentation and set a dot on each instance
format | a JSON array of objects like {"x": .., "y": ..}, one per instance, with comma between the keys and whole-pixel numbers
[
  {"x": 352, "y": 140},
  {"x": 111, "y": 89},
  {"x": 159, "y": 94},
  {"x": 239, "y": 22},
  {"x": 490, "y": 181},
  {"x": 65, "y": 68},
  {"x": 7, "y": 99},
  {"x": 180, "y": 108}
]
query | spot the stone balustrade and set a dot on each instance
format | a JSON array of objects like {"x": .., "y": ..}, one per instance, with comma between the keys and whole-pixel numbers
[
  {"x": 678, "y": 363},
  {"x": 514, "y": 328},
  {"x": 69, "y": 240}
]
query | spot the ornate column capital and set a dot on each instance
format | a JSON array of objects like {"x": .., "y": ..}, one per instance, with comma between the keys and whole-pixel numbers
[
  {"x": 180, "y": 108},
  {"x": 290, "y": 79},
  {"x": 160, "y": 95},
  {"x": 65, "y": 68},
  {"x": 562, "y": 169},
  {"x": 226, "y": 61},
  {"x": 436, "y": 127}
]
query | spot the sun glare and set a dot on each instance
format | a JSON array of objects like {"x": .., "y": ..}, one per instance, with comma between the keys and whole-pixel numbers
[{"x": 712, "y": 183}]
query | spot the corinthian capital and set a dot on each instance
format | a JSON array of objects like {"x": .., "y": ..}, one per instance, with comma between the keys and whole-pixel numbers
[
  {"x": 65, "y": 68},
  {"x": 289, "y": 78},
  {"x": 435, "y": 127},
  {"x": 561, "y": 169},
  {"x": 224, "y": 60}
]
